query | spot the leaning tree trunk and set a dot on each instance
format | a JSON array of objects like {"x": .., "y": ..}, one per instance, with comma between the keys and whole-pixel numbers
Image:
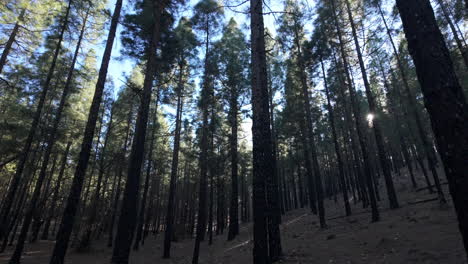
[
  {"x": 357, "y": 119},
  {"x": 337, "y": 146},
  {"x": 73, "y": 200},
  {"x": 309, "y": 131},
  {"x": 91, "y": 222},
  {"x": 428, "y": 150},
  {"x": 6, "y": 208},
  {"x": 128, "y": 215},
  {"x": 460, "y": 46},
  {"x": 11, "y": 40},
  {"x": 174, "y": 167},
  {"x": 376, "y": 124},
  {"x": 443, "y": 98},
  {"x": 54, "y": 199}
]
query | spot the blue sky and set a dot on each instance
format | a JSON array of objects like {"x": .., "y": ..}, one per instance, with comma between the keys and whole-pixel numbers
[{"x": 121, "y": 66}]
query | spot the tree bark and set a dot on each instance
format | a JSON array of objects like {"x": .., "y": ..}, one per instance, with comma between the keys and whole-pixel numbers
[
  {"x": 443, "y": 98},
  {"x": 73, "y": 200},
  {"x": 357, "y": 119},
  {"x": 168, "y": 234},
  {"x": 10, "y": 41},
  {"x": 264, "y": 250},
  {"x": 379, "y": 137},
  {"x": 128, "y": 215},
  {"x": 337, "y": 146},
  {"x": 6, "y": 208}
]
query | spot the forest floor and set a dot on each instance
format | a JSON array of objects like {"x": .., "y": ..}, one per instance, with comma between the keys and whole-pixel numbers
[{"x": 421, "y": 232}]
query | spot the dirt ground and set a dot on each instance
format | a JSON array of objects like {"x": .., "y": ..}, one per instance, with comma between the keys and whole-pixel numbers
[{"x": 422, "y": 232}]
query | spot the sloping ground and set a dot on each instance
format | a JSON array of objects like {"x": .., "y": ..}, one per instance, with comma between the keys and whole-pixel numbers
[{"x": 416, "y": 233}]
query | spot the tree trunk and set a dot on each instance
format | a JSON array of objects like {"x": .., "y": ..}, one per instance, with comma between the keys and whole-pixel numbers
[
  {"x": 168, "y": 234},
  {"x": 54, "y": 199},
  {"x": 50, "y": 145},
  {"x": 379, "y": 138},
  {"x": 128, "y": 215},
  {"x": 11, "y": 39},
  {"x": 337, "y": 146},
  {"x": 309, "y": 131},
  {"x": 206, "y": 100},
  {"x": 429, "y": 152},
  {"x": 461, "y": 47},
  {"x": 6, "y": 208},
  {"x": 263, "y": 251},
  {"x": 234, "y": 208},
  {"x": 443, "y": 98},
  {"x": 91, "y": 223},
  {"x": 357, "y": 119},
  {"x": 72, "y": 204}
]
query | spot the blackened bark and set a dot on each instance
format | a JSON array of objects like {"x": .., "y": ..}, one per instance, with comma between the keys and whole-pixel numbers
[
  {"x": 128, "y": 216},
  {"x": 379, "y": 138},
  {"x": 263, "y": 159},
  {"x": 234, "y": 207},
  {"x": 91, "y": 223},
  {"x": 10, "y": 41},
  {"x": 66, "y": 225},
  {"x": 309, "y": 131},
  {"x": 443, "y": 98},
  {"x": 6, "y": 208},
  {"x": 54, "y": 199},
  {"x": 119, "y": 178},
  {"x": 358, "y": 122},
  {"x": 168, "y": 234},
  {"x": 428, "y": 151},
  {"x": 337, "y": 146}
]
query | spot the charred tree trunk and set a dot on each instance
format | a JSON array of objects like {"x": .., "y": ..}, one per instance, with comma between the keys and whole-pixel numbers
[
  {"x": 11, "y": 40},
  {"x": 128, "y": 215},
  {"x": 357, "y": 119},
  {"x": 267, "y": 241},
  {"x": 45, "y": 162},
  {"x": 337, "y": 146},
  {"x": 379, "y": 138},
  {"x": 6, "y": 208},
  {"x": 443, "y": 98},
  {"x": 72, "y": 204},
  {"x": 428, "y": 151},
  {"x": 168, "y": 234}
]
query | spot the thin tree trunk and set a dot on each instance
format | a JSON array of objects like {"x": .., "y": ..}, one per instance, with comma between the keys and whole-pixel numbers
[
  {"x": 461, "y": 47},
  {"x": 11, "y": 40},
  {"x": 309, "y": 131},
  {"x": 359, "y": 128},
  {"x": 91, "y": 223},
  {"x": 50, "y": 145},
  {"x": 54, "y": 199},
  {"x": 72, "y": 204},
  {"x": 234, "y": 208},
  {"x": 379, "y": 138},
  {"x": 5, "y": 211},
  {"x": 174, "y": 166},
  {"x": 337, "y": 146},
  {"x": 429, "y": 152},
  {"x": 128, "y": 216}
]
